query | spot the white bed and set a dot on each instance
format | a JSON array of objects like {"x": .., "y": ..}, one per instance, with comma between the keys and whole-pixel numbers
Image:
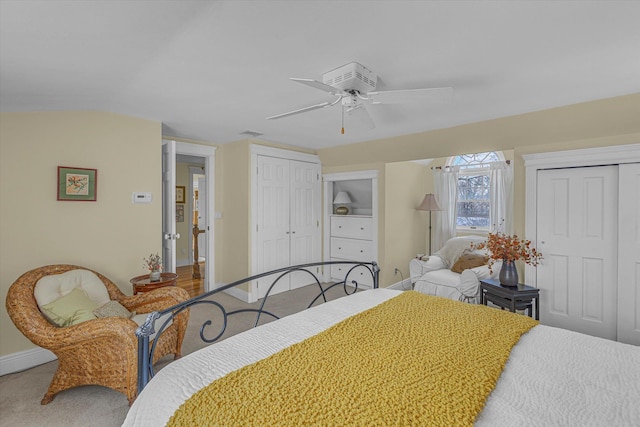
[{"x": 553, "y": 377}]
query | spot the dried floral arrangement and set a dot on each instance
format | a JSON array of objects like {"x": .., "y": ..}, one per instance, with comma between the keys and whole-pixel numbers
[
  {"x": 153, "y": 263},
  {"x": 508, "y": 249}
]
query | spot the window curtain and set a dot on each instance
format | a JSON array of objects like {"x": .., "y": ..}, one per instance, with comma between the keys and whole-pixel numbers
[
  {"x": 446, "y": 192},
  {"x": 501, "y": 197}
]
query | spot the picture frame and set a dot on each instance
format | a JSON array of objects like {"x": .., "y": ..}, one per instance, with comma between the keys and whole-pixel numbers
[
  {"x": 179, "y": 213},
  {"x": 180, "y": 193},
  {"x": 77, "y": 184}
]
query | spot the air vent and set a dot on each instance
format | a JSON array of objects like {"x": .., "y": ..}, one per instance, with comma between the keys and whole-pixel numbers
[{"x": 251, "y": 133}]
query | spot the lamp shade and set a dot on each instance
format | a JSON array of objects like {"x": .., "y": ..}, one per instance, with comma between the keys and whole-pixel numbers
[
  {"x": 342, "y": 198},
  {"x": 429, "y": 203}
]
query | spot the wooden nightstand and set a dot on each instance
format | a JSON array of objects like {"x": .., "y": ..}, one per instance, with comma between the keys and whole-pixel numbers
[
  {"x": 521, "y": 297},
  {"x": 143, "y": 284}
]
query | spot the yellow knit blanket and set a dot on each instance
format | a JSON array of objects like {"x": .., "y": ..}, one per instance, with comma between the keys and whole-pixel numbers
[{"x": 412, "y": 360}]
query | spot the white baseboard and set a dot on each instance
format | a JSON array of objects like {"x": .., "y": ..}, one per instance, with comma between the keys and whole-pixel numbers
[
  {"x": 403, "y": 285},
  {"x": 241, "y": 294},
  {"x": 22, "y": 360},
  {"x": 183, "y": 262}
]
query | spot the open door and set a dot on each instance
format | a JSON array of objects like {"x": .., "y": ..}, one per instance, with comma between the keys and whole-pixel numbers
[
  {"x": 170, "y": 149},
  {"x": 169, "y": 234}
]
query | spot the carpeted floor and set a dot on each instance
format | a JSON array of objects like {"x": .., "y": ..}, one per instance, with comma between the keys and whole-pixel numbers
[{"x": 96, "y": 406}]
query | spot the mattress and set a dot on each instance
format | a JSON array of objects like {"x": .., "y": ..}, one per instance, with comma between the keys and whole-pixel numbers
[{"x": 553, "y": 376}]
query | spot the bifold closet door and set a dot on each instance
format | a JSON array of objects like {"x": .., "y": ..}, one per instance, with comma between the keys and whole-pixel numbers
[
  {"x": 304, "y": 219},
  {"x": 288, "y": 220},
  {"x": 577, "y": 233},
  {"x": 273, "y": 221},
  {"x": 629, "y": 254}
]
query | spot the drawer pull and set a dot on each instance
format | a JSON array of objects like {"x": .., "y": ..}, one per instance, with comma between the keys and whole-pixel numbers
[
  {"x": 339, "y": 248},
  {"x": 361, "y": 251},
  {"x": 361, "y": 228}
]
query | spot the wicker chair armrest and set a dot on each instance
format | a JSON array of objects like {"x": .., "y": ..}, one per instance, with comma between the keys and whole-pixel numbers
[
  {"x": 156, "y": 300},
  {"x": 56, "y": 338}
]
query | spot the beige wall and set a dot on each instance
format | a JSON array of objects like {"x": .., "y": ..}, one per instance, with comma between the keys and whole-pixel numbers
[
  {"x": 37, "y": 230},
  {"x": 606, "y": 122},
  {"x": 406, "y": 228},
  {"x": 111, "y": 235},
  {"x": 182, "y": 244},
  {"x": 565, "y": 125},
  {"x": 234, "y": 174}
]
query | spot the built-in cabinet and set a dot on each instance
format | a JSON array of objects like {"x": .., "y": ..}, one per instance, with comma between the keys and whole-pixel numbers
[
  {"x": 583, "y": 214},
  {"x": 286, "y": 214},
  {"x": 352, "y": 240},
  {"x": 351, "y": 237}
]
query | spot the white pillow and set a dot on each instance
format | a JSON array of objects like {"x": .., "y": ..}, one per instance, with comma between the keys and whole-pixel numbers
[
  {"x": 55, "y": 286},
  {"x": 455, "y": 247}
]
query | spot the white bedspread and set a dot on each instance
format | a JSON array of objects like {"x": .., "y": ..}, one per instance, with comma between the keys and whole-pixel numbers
[{"x": 553, "y": 377}]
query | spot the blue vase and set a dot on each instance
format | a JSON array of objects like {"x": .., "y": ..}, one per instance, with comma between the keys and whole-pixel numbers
[{"x": 509, "y": 274}]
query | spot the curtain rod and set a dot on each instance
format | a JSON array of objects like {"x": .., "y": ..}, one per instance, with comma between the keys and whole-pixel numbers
[{"x": 440, "y": 167}]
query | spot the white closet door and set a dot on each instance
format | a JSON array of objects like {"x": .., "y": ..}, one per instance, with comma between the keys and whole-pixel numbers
[
  {"x": 577, "y": 226},
  {"x": 629, "y": 255},
  {"x": 273, "y": 221},
  {"x": 304, "y": 218}
]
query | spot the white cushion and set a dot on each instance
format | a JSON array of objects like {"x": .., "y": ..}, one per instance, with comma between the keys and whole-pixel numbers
[
  {"x": 55, "y": 286},
  {"x": 469, "y": 283}
]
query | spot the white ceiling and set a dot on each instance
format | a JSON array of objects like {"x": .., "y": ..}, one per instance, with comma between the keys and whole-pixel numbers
[{"x": 210, "y": 70}]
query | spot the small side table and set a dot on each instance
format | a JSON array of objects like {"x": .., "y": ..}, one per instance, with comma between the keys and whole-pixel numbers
[
  {"x": 144, "y": 284},
  {"x": 521, "y": 297}
]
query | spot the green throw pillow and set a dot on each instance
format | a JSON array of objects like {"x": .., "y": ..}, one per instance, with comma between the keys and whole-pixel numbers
[
  {"x": 113, "y": 309},
  {"x": 71, "y": 309}
]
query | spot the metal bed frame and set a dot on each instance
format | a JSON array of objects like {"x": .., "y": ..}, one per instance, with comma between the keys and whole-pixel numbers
[{"x": 146, "y": 348}]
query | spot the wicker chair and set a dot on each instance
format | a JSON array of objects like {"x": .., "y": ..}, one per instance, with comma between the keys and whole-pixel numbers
[{"x": 101, "y": 351}]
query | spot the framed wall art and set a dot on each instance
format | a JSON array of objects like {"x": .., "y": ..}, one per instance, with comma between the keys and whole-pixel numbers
[
  {"x": 179, "y": 193},
  {"x": 179, "y": 213},
  {"x": 77, "y": 184}
]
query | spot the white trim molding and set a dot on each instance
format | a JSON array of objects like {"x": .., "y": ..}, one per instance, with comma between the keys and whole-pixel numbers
[
  {"x": 599, "y": 156},
  {"x": 27, "y": 359}
]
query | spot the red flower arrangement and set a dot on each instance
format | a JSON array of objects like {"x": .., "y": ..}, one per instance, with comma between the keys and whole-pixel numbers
[
  {"x": 508, "y": 249},
  {"x": 153, "y": 263}
]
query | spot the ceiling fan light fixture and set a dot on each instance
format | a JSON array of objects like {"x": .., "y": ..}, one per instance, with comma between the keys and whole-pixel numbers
[{"x": 351, "y": 77}]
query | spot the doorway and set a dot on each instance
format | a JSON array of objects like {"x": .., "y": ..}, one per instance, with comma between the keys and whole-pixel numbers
[{"x": 178, "y": 213}]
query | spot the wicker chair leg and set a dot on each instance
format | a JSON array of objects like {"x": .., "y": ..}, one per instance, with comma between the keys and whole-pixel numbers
[{"x": 47, "y": 398}]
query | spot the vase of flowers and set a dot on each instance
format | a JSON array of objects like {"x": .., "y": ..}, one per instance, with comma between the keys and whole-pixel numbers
[
  {"x": 509, "y": 249},
  {"x": 154, "y": 265}
]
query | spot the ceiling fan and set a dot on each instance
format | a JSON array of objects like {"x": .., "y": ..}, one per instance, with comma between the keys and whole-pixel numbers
[{"x": 354, "y": 87}]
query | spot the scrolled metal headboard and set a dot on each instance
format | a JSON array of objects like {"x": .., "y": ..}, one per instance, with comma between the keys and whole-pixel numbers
[{"x": 146, "y": 349}]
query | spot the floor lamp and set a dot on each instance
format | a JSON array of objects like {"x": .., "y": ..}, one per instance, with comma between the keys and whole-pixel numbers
[{"x": 430, "y": 204}]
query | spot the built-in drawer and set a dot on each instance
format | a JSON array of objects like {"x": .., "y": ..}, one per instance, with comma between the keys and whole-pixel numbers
[
  {"x": 351, "y": 249},
  {"x": 353, "y": 227},
  {"x": 361, "y": 274}
]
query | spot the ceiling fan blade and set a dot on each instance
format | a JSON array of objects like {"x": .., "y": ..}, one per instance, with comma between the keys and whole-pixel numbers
[
  {"x": 434, "y": 95},
  {"x": 318, "y": 85},
  {"x": 301, "y": 110},
  {"x": 360, "y": 113}
]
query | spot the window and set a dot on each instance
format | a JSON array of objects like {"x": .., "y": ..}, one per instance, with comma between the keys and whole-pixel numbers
[{"x": 474, "y": 189}]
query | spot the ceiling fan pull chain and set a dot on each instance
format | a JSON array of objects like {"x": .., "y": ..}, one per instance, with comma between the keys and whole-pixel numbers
[{"x": 342, "y": 109}]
